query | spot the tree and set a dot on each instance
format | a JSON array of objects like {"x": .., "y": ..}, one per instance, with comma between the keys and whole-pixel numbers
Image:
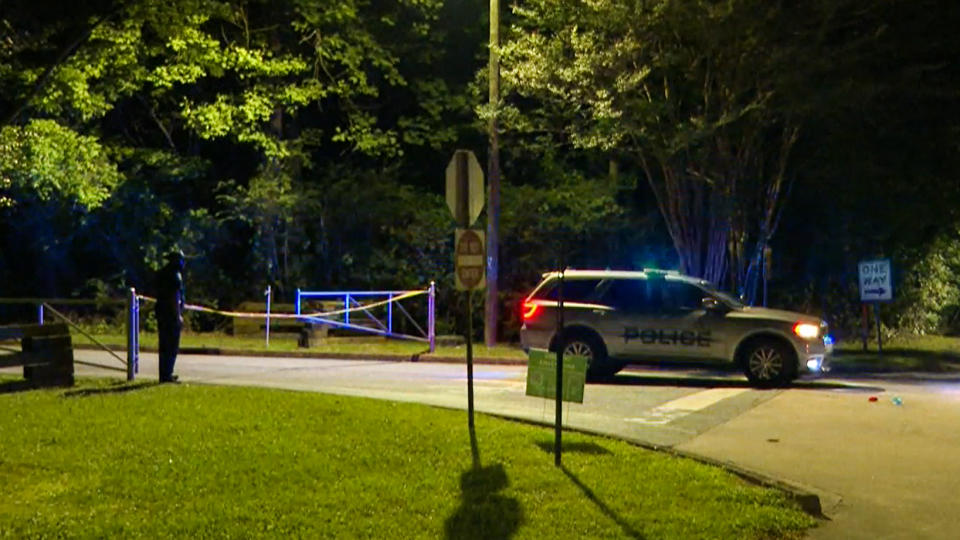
[
  {"x": 690, "y": 92},
  {"x": 877, "y": 160},
  {"x": 255, "y": 92},
  {"x": 48, "y": 160}
]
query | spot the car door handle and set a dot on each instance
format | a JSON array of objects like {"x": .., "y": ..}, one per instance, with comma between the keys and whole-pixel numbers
[{"x": 599, "y": 312}]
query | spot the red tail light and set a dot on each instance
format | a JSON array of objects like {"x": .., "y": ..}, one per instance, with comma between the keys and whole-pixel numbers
[{"x": 529, "y": 310}]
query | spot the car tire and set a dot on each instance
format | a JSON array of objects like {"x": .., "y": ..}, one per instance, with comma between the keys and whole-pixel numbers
[
  {"x": 769, "y": 362},
  {"x": 590, "y": 346}
]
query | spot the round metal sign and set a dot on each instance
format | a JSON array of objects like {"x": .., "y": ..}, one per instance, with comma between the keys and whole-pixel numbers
[{"x": 469, "y": 260}]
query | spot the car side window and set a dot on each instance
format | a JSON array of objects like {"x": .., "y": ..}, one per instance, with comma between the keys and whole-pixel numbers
[
  {"x": 681, "y": 297},
  {"x": 627, "y": 294},
  {"x": 574, "y": 290}
]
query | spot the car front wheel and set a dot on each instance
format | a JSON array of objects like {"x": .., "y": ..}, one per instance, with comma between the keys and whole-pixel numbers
[{"x": 769, "y": 362}]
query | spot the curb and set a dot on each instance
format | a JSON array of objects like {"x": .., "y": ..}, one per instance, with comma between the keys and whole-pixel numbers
[
  {"x": 805, "y": 497},
  {"x": 808, "y": 500}
]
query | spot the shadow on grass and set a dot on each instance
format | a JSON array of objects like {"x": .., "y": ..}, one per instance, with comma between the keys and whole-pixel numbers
[
  {"x": 579, "y": 447},
  {"x": 10, "y": 387},
  {"x": 607, "y": 511},
  {"x": 484, "y": 513},
  {"x": 116, "y": 388}
]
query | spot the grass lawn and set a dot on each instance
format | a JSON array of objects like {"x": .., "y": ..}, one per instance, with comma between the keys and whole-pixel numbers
[
  {"x": 907, "y": 353},
  {"x": 108, "y": 459},
  {"x": 288, "y": 343}
]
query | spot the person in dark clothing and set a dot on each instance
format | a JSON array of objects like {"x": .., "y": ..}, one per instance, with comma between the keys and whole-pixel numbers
[{"x": 169, "y": 309}]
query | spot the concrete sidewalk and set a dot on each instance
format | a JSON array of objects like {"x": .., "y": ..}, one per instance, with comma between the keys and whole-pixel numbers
[{"x": 884, "y": 471}]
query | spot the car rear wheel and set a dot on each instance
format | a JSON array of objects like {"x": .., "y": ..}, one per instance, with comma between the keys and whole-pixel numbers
[
  {"x": 769, "y": 362},
  {"x": 590, "y": 347}
]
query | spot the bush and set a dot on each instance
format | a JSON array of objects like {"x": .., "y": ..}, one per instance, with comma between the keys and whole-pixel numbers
[{"x": 928, "y": 299}]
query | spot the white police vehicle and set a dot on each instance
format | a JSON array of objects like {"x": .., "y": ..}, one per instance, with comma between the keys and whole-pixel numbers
[{"x": 612, "y": 317}]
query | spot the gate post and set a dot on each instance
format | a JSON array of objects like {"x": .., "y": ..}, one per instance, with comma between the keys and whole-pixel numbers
[
  {"x": 431, "y": 315},
  {"x": 133, "y": 324},
  {"x": 269, "y": 294},
  {"x": 390, "y": 313},
  {"x": 136, "y": 333}
]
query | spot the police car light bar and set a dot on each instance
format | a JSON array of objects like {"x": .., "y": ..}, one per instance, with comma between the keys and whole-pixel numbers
[{"x": 657, "y": 271}]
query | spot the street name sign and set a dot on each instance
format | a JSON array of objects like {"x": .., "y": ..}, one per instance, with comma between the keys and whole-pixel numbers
[
  {"x": 542, "y": 375},
  {"x": 875, "y": 282},
  {"x": 465, "y": 191},
  {"x": 469, "y": 249}
]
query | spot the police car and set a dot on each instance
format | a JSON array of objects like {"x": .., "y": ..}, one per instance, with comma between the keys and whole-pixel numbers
[{"x": 612, "y": 317}]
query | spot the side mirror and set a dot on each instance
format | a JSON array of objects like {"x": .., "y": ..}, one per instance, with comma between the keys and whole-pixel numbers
[{"x": 710, "y": 303}]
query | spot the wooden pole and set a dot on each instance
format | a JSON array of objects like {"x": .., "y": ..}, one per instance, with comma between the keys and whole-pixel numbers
[{"x": 492, "y": 311}]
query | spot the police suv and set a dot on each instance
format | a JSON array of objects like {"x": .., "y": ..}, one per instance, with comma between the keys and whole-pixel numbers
[{"x": 612, "y": 317}]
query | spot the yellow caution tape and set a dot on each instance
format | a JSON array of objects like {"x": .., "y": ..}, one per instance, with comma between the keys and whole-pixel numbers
[{"x": 321, "y": 314}]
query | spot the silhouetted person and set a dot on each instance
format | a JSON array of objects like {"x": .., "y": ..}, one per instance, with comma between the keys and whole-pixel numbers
[{"x": 170, "y": 313}]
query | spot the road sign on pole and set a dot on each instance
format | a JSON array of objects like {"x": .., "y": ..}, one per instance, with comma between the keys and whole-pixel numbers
[
  {"x": 468, "y": 259},
  {"x": 542, "y": 375},
  {"x": 875, "y": 282},
  {"x": 465, "y": 191},
  {"x": 875, "y": 286}
]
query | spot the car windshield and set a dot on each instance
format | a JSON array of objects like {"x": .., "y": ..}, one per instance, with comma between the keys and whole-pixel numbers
[{"x": 724, "y": 297}]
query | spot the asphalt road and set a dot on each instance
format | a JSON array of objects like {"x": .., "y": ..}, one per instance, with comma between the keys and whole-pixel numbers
[{"x": 880, "y": 469}]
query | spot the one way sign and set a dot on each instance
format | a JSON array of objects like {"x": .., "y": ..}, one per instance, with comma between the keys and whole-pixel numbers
[{"x": 875, "y": 283}]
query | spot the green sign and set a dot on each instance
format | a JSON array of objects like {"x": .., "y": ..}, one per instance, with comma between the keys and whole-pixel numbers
[{"x": 542, "y": 375}]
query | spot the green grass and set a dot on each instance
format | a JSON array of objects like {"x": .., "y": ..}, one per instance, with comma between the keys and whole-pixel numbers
[
  {"x": 107, "y": 459},
  {"x": 288, "y": 343},
  {"x": 902, "y": 353}
]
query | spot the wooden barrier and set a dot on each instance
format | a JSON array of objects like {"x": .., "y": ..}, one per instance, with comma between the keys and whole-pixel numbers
[
  {"x": 245, "y": 326},
  {"x": 307, "y": 333},
  {"x": 46, "y": 353}
]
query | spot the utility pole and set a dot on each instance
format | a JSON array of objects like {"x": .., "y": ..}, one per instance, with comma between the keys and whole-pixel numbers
[{"x": 493, "y": 174}]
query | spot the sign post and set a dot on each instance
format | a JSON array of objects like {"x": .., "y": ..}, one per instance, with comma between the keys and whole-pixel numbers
[
  {"x": 875, "y": 286},
  {"x": 542, "y": 376},
  {"x": 465, "y": 198},
  {"x": 469, "y": 275},
  {"x": 546, "y": 379}
]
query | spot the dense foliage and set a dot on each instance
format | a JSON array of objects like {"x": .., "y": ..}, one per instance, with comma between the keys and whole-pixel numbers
[{"x": 302, "y": 144}]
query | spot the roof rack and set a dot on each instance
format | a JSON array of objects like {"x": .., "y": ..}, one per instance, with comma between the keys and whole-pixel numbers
[{"x": 659, "y": 272}]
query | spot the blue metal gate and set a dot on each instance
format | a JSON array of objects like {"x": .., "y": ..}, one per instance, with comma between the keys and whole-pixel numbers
[{"x": 349, "y": 309}]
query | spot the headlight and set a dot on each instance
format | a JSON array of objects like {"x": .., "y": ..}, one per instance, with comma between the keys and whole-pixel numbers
[{"x": 806, "y": 330}]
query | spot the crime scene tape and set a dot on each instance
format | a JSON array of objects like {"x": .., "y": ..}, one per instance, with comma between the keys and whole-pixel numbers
[{"x": 319, "y": 314}]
